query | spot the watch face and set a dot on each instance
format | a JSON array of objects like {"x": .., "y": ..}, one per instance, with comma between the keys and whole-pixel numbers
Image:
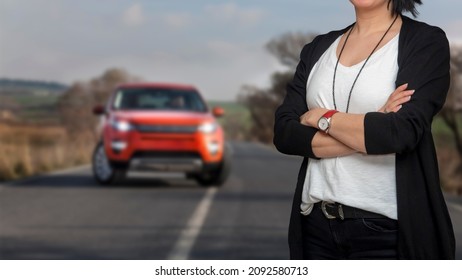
[{"x": 323, "y": 124}]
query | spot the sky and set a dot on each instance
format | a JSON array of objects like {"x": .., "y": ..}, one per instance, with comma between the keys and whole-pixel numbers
[{"x": 218, "y": 46}]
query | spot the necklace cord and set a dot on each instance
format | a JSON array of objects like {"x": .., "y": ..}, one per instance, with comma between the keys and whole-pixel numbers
[{"x": 362, "y": 67}]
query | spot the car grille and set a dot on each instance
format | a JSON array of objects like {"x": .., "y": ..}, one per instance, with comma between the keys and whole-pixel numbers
[
  {"x": 187, "y": 129},
  {"x": 165, "y": 154}
]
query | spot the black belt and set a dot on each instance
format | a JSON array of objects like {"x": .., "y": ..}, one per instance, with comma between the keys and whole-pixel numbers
[{"x": 332, "y": 210}]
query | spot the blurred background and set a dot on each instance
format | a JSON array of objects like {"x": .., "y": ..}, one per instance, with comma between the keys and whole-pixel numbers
[{"x": 60, "y": 58}]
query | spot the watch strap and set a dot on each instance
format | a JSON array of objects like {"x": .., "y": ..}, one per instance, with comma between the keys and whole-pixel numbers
[{"x": 329, "y": 114}]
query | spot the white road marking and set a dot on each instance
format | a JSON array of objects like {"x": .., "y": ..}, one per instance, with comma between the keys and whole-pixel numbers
[
  {"x": 455, "y": 206},
  {"x": 188, "y": 236}
]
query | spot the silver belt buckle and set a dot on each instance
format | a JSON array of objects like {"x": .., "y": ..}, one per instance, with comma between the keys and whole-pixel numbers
[{"x": 329, "y": 216}]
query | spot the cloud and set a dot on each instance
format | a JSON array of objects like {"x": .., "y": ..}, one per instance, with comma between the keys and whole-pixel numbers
[
  {"x": 231, "y": 12},
  {"x": 178, "y": 20},
  {"x": 134, "y": 16}
]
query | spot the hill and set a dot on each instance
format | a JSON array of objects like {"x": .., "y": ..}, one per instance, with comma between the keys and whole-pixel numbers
[{"x": 8, "y": 86}]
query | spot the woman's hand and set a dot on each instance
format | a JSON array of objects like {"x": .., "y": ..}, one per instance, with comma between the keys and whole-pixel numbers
[
  {"x": 323, "y": 145},
  {"x": 396, "y": 100},
  {"x": 312, "y": 117}
]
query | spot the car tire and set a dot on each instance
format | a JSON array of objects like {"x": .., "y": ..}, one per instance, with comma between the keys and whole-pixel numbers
[
  {"x": 104, "y": 172},
  {"x": 218, "y": 176}
]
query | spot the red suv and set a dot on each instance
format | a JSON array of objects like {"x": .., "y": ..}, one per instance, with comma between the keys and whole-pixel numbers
[{"x": 161, "y": 127}]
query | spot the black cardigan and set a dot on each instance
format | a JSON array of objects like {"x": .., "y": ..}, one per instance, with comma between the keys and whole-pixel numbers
[{"x": 425, "y": 229}]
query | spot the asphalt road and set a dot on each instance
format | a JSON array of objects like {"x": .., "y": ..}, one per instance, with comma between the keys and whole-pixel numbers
[{"x": 66, "y": 215}]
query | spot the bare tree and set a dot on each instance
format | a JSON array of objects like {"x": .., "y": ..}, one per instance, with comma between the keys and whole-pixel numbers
[
  {"x": 453, "y": 106},
  {"x": 262, "y": 103},
  {"x": 452, "y": 112},
  {"x": 287, "y": 47},
  {"x": 75, "y": 105}
]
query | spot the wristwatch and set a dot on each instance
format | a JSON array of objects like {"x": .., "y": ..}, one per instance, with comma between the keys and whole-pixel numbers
[{"x": 324, "y": 121}]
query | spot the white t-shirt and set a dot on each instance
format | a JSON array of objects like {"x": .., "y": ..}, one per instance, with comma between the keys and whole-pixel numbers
[{"x": 363, "y": 181}]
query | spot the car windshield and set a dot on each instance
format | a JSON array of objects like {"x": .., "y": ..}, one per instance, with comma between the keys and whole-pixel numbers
[{"x": 158, "y": 99}]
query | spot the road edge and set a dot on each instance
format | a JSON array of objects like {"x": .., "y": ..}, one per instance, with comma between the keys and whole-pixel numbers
[{"x": 36, "y": 177}]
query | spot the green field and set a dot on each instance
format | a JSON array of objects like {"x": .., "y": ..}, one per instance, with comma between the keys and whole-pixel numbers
[
  {"x": 231, "y": 108},
  {"x": 34, "y": 100},
  {"x": 236, "y": 121},
  {"x": 32, "y": 108}
]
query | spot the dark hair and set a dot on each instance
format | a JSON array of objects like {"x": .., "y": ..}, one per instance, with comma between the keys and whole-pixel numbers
[{"x": 400, "y": 6}]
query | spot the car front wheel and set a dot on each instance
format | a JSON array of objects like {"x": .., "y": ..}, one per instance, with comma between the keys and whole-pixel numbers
[
  {"x": 103, "y": 172},
  {"x": 218, "y": 176}
]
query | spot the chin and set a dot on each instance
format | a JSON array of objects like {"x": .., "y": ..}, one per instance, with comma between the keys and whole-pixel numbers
[{"x": 368, "y": 3}]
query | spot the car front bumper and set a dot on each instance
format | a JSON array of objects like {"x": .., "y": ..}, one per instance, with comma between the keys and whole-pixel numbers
[{"x": 167, "y": 164}]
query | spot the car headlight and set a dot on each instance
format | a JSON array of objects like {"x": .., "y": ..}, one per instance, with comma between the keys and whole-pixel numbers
[
  {"x": 122, "y": 126},
  {"x": 208, "y": 127},
  {"x": 213, "y": 147}
]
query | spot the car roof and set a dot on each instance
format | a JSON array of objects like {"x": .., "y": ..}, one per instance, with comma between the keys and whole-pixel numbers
[{"x": 158, "y": 85}]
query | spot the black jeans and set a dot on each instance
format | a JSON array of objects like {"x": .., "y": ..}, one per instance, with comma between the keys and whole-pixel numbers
[{"x": 350, "y": 239}]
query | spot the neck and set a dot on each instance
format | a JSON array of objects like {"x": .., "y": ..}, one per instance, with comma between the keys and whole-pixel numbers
[{"x": 372, "y": 21}]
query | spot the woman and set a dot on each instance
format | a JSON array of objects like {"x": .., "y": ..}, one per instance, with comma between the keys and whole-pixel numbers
[{"x": 359, "y": 110}]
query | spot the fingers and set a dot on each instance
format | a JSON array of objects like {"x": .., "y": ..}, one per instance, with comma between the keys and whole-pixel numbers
[
  {"x": 402, "y": 87},
  {"x": 396, "y": 103},
  {"x": 399, "y": 89},
  {"x": 400, "y": 96}
]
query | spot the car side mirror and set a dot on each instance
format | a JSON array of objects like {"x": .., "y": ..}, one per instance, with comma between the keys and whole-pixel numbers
[
  {"x": 218, "y": 112},
  {"x": 99, "y": 110}
]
